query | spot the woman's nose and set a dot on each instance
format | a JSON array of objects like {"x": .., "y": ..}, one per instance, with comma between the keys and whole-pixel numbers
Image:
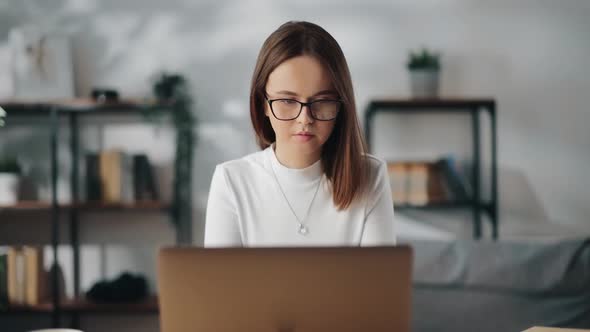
[{"x": 305, "y": 115}]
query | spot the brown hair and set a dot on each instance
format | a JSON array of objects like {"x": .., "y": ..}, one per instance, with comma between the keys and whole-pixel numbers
[{"x": 343, "y": 154}]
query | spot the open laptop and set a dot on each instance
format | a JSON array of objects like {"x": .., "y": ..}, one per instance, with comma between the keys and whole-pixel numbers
[{"x": 285, "y": 289}]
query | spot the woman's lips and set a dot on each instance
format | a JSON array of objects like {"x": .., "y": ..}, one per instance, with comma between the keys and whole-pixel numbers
[{"x": 303, "y": 137}]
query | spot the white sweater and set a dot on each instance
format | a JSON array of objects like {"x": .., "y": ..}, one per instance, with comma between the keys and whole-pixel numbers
[{"x": 247, "y": 208}]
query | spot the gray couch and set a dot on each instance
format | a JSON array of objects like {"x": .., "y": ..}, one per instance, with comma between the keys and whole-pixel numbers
[{"x": 500, "y": 286}]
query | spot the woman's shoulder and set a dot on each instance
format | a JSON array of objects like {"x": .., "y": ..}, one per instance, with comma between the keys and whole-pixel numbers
[
  {"x": 375, "y": 164},
  {"x": 245, "y": 165},
  {"x": 377, "y": 171}
]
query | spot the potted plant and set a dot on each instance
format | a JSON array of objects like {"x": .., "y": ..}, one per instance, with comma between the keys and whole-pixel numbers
[
  {"x": 174, "y": 88},
  {"x": 424, "y": 67},
  {"x": 9, "y": 179}
]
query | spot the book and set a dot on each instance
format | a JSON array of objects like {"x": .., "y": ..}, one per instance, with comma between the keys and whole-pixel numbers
[
  {"x": 16, "y": 276},
  {"x": 116, "y": 177},
  {"x": 110, "y": 176},
  {"x": 127, "y": 194},
  {"x": 398, "y": 176},
  {"x": 436, "y": 187},
  {"x": 35, "y": 276},
  {"x": 3, "y": 281},
  {"x": 144, "y": 185},
  {"x": 93, "y": 181},
  {"x": 454, "y": 181},
  {"x": 418, "y": 184}
]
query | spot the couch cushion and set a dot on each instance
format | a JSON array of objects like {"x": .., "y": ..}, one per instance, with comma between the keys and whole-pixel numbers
[{"x": 524, "y": 267}]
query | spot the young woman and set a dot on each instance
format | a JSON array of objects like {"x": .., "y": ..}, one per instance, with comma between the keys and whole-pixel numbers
[{"x": 313, "y": 183}]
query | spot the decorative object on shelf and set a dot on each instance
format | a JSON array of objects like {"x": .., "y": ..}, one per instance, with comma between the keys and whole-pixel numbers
[
  {"x": 424, "y": 67},
  {"x": 174, "y": 88},
  {"x": 103, "y": 95},
  {"x": 41, "y": 63},
  {"x": 10, "y": 171},
  {"x": 126, "y": 288}
]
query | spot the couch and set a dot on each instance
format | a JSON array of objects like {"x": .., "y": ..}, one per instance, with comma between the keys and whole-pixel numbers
[{"x": 466, "y": 285}]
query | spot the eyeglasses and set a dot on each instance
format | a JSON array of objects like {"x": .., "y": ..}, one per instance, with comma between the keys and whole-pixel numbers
[{"x": 289, "y": 109}]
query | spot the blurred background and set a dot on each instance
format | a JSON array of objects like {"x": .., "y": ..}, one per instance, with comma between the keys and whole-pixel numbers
[{"x": 528, "y": 57}]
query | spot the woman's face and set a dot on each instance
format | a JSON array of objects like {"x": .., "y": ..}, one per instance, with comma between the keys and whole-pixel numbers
[{"x": 302, "y": 78}]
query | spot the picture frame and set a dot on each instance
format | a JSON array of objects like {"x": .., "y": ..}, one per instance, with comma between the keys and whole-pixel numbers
[{"x": 41, "y": 64}]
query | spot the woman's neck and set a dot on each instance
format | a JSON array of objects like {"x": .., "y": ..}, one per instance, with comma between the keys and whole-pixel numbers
[{"x": 292, "y": 160}]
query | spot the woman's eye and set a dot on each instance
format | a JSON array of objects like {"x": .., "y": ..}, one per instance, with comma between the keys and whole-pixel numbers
[{"x": 288, "y": 101}]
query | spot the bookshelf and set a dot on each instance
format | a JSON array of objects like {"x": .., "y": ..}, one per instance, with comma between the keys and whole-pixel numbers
[
  {"x": 473, "y": 107},
  {"x": 72, "y": 110}
]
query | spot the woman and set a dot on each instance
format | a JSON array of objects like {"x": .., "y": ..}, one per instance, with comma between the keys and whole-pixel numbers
[{"x": 313, "y": 183}]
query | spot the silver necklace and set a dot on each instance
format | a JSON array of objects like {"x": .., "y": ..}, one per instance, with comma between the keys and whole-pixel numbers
[{"x": 302, "y": 229}]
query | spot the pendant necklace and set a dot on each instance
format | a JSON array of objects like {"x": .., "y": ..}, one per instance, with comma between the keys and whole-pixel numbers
[{"x": 302, "y": 228}]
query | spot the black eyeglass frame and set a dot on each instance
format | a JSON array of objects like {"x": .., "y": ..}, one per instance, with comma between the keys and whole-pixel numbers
[{"x": 301, "y": 105}]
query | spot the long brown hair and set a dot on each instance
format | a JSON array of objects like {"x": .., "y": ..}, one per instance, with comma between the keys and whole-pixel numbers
[{"x": 343, "y": 154}]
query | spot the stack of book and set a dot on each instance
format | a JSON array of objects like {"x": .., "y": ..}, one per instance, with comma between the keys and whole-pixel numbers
[
  {"x": 23, "y": 278},
  {"x": 420, "y": 183},
  {"x": 114, "y": 176}
]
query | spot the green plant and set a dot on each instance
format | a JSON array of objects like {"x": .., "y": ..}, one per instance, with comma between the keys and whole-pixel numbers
[
  {"x": 10, "y": 165},
  {"x": 423, "y": 60},
  {"x": 174, "y": 89}
]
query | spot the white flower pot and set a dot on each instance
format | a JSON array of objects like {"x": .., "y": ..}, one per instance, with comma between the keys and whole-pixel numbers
[
  {"x": 424, "y": 83},
  {"x": 8, "y": 188}
]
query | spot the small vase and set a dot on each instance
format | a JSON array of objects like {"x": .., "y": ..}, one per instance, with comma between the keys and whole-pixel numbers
[
  {"x": 8, "y": 188},
  {"x": 424, "y": 83}
]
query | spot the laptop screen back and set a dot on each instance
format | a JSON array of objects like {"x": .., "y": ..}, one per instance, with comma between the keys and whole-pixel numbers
[{"x": 285, "y": 289}]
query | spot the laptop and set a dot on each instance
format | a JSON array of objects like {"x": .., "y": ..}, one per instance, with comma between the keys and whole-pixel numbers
[{"x": 285, "y": 289}]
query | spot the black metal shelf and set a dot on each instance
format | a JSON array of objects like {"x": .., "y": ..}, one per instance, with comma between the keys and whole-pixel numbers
[
  {"x": 473, "y": 107},
  {"x": 72, "y": 110}
]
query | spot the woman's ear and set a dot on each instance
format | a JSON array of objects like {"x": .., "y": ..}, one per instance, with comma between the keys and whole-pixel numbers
[{"x": 266, "y": 110}]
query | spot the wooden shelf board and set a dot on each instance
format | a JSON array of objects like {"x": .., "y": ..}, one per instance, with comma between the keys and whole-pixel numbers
[
  {"x": 442, "y": 205},
  {"x": 17, "y": 107},
  {"x": 89, "y": 206},
  {"x": 150, "y": 305}
]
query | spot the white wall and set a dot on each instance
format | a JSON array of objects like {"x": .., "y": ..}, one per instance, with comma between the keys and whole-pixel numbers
[{"x": 531, "y": 56}]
